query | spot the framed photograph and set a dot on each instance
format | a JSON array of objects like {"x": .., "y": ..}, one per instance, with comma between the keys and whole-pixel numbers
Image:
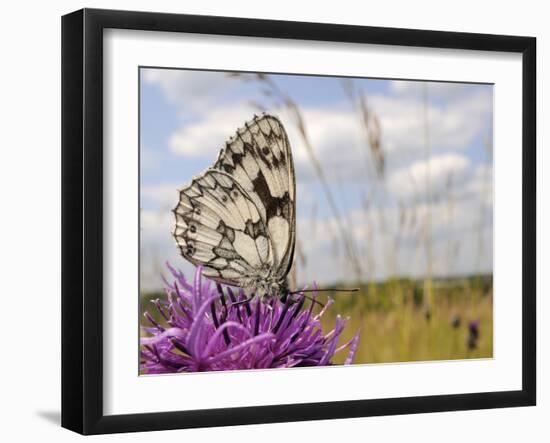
[{"x": 270, "y": 221}]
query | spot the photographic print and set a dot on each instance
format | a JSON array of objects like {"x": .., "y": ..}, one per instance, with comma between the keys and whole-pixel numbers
[
  {"x": 300, "y": 220},
  {"x": 317, "y": 208}
]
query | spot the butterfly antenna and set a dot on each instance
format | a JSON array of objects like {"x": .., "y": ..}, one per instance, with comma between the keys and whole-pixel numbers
[
  {"x": 325, "y": 290},
  {"x": 321, "y": 290}
]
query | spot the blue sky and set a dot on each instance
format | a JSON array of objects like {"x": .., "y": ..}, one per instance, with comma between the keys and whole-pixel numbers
[{"x": 186, "y": 116}]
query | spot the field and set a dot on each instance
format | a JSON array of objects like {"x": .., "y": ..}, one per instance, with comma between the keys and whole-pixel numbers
[{"x": 398, "y": 322}]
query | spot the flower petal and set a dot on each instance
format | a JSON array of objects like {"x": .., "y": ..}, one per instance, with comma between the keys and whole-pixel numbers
[
  {"x": 244, "y": 345},
  {"x": 172, "y": 332},
  {"x": 217, "y": 335}
]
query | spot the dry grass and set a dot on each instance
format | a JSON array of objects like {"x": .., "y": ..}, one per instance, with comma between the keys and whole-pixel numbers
[{"x": 397, "y": 325}]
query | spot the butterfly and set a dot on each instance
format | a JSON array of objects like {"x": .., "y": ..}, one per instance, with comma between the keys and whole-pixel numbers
[{"x": 238, "y": 218}]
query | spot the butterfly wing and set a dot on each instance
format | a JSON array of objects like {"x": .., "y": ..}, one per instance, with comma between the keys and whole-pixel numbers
[
  {"x": 259, "y": 158},
  {"x": 219, "y": 226}
]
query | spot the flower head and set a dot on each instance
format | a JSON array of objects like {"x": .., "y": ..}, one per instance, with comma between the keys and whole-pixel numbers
[{"x": 208, "y": 327}]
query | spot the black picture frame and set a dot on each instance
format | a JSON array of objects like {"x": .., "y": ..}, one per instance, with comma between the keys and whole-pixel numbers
[{"x": 82, "y": 220}]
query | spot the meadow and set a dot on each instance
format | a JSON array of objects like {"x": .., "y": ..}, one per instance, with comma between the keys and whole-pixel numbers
[{"x": 398, "y": 323}]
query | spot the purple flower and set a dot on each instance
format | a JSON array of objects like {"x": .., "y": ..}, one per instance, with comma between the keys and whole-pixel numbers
[
  {"x": 473, "y": 334},
  {"x": 205, "y": 328}
]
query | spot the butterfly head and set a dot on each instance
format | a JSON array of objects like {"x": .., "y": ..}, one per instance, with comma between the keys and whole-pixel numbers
[{"x": 266, "y": 287}]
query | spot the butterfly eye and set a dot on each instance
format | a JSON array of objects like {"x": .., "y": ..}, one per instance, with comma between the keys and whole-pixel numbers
[
  {"x": 197, "y": 211},
  {"x": 193, "y": 229},
  {"x": 265, "y": 150},
  {"x": 224, "y": 198}
]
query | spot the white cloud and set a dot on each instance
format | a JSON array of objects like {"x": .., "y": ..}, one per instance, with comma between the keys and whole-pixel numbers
[
  {"x": 481, "y": 183},
  {"x": 163, "y": 195},
  {"x": 195, "y": 89},
  {"x": 452, "y": 126},
  {"x": 207, "y": 136},
  {"x": 392, "y": 241},
  {"x": 158, "y": 247},
  {"x": 439, "y": 170},
  {"x": 150, "y": 160},
  {"x": 156, "y": 224},
  {"x": 336, "y": 139},
  {"x": 334, "y": 134}
]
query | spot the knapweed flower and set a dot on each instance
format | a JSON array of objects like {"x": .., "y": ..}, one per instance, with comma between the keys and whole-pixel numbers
[{"x": 208, "y": 327}]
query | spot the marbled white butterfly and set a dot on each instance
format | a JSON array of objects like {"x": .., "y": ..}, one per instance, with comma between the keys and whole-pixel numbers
[{"x": 238, "y": 218}]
